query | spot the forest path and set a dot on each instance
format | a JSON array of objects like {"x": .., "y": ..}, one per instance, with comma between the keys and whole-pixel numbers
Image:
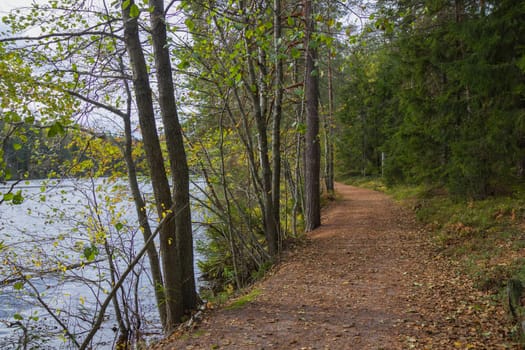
[{"x": 366, "y": 279}]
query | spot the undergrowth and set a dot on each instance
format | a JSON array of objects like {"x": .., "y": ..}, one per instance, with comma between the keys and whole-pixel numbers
[
  {"x": 485, "y": 236},
  {"x": 370, "y": 182}
]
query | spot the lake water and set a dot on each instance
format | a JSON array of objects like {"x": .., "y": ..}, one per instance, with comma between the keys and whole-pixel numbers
[{"x": 59, "y": 225}]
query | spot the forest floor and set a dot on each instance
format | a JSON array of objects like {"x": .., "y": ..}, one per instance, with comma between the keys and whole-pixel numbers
[{"x": 368, "y": 278}]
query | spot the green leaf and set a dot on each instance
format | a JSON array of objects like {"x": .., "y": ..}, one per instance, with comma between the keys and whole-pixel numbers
[
  {"x": 183, "y": 65},
  {"x": 18, "y": 285},
  {"x": 8, "y": 197},
  {"x": 125, "y": 4},
  {"x": 90, "y": 253},
  {"x": 56, "y": 129},
  {"x": 18, "y": 198},
  {"x": 190, "y": 24},
  {"x": 119, "y": 226},
  {"x": 18, "y": 317},
  {"x": 134, "y": 11},
  {"x": 17, "y": 146},
  {"x": 296, "y": 53},
  {"x": 300, "y": 128}
]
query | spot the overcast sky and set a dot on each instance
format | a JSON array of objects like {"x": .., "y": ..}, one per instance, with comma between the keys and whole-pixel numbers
[{"x": 6, "y": 5}]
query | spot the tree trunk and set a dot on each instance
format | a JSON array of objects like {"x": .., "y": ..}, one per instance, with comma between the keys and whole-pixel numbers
[
  {"x": 312, "y": 147},
  {"x": 140, "y": 206},
  {"x": 176, "y": 154},
  {"x": 168, "y": 247},
  {"x": 329, "y": 129},
  {"x": 270, "y": 226},
  {"x": 277, "y": 114}
]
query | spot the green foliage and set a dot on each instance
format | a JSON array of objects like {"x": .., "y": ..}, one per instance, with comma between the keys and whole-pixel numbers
[
  {"x": 231, "y": 66},
  {"x": 227, "y": 263},
  {"x": 56, "y": 129},
  {"x": 134, "y": 11},
  {"x": 98, "y": 156},
  {"x": 373, "y": 183},
  {"x": 15, "y": 198},
  {"x": 18, "y": 285},
  {"x": 30, "y": 104},
  {"x": 363, "y": 116},
  {"x": 443, "y": 93},
  {"x": 90, "y": 252}
]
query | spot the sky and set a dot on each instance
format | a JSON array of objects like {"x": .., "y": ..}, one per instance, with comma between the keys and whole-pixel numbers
[{"x": 6, "y": 5}]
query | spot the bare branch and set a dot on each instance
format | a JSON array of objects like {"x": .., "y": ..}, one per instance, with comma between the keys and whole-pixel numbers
[
  {"x": 20, "y": 278},
  {"x": 170, "y": 214},
  {"x": 50, "y": 312},
  {"x": 97, "y": 104},
  {"x": 58, "y": 35}
]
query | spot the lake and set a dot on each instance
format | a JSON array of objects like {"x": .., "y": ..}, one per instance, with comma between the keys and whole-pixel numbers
[{"x": 55, "y": 261}]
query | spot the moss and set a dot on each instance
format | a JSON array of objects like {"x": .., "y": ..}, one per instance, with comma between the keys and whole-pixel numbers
[{"x": 243, "y": 300}]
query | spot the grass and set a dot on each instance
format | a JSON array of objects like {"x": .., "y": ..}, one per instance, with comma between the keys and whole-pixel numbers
[
  {"x": 370, "y": 182},
  {"x": 486, "y": 237},
  {"x": 243, "y": 300},
  {"x": 227, "y": 299},
  {"x": 194, "y": 334}
]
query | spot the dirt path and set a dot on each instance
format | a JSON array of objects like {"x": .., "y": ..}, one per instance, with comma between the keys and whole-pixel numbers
[{"x": 365, "y": 280}]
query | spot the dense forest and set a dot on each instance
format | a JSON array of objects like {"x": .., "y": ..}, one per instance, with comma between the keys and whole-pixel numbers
[
  {"x": 257, "y": 104},
  {"x": 437, "y": 96}
]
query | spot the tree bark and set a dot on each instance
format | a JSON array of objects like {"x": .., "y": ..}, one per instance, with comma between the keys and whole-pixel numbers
[
  {"x": 168, "y": 243},
  {"x": 176, "y": 153},
  {"x": 328, "y": 126},
  {"x": 140, "y": 206},
  {"x": 312, "y": 147},
  {"x": 277, "y": 116}
]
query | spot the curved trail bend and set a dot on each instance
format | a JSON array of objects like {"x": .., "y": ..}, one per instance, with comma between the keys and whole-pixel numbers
[{"x": 366, "y": 279}]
